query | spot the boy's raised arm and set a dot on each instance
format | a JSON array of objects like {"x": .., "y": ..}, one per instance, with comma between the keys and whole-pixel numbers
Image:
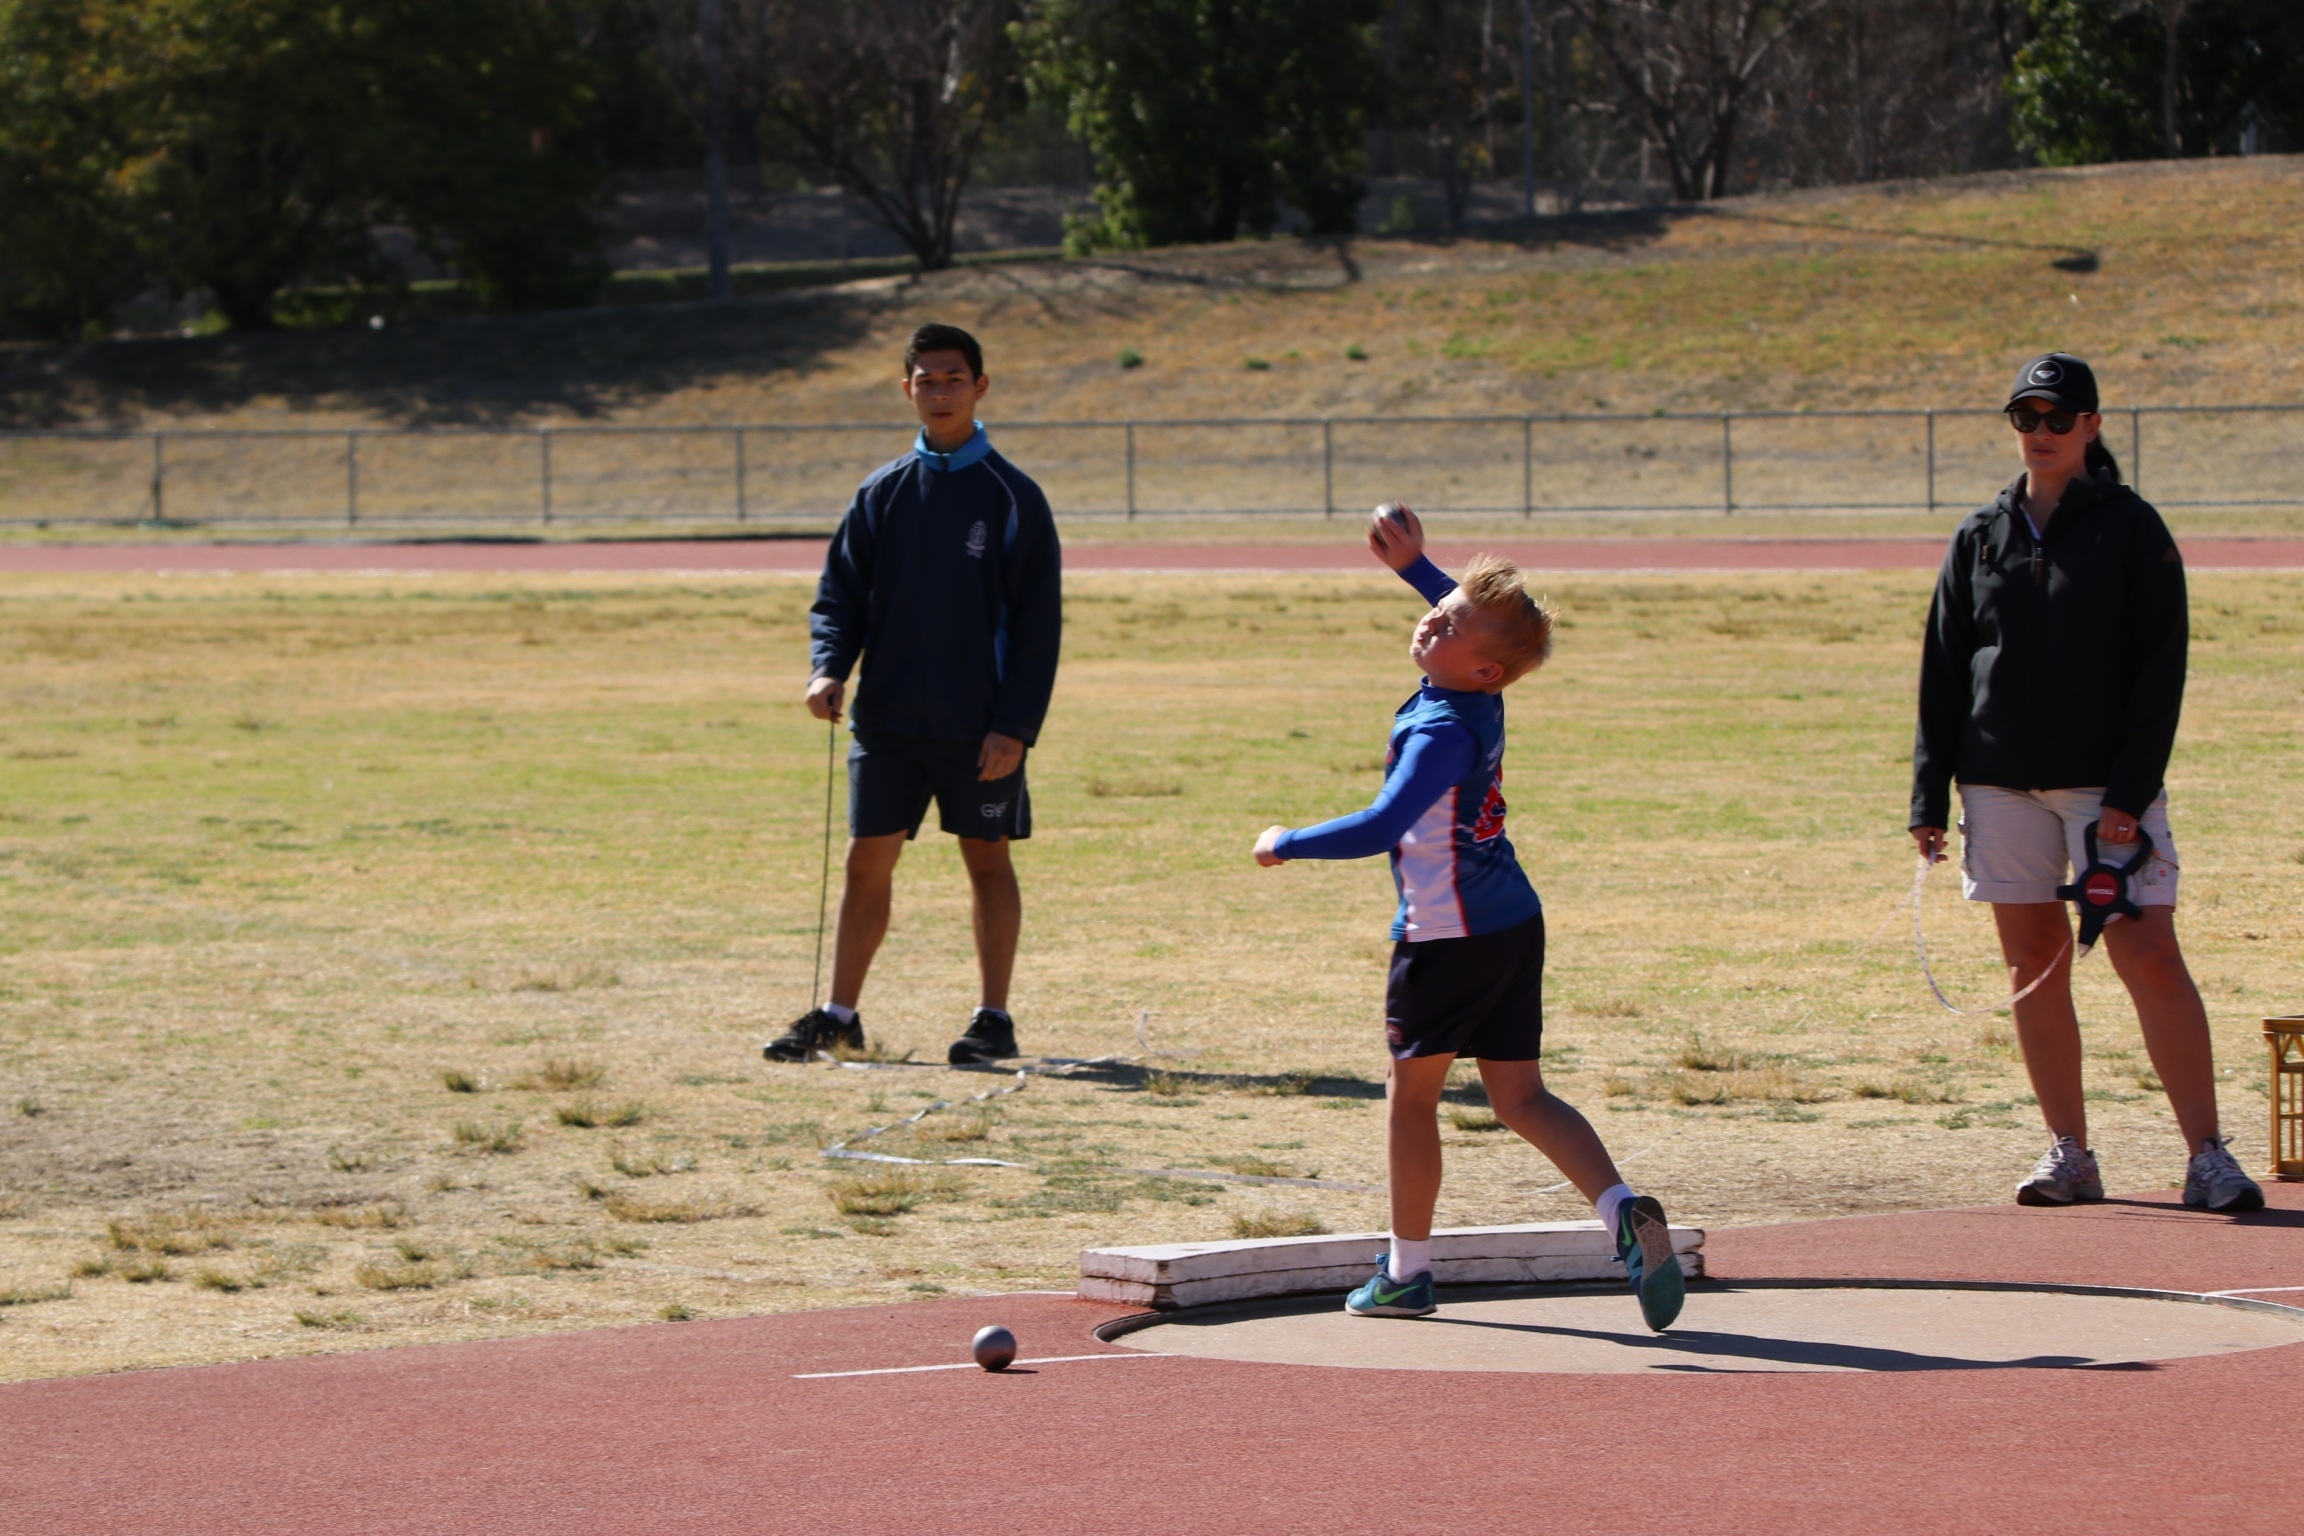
[{"x": 1396, "y": 537}]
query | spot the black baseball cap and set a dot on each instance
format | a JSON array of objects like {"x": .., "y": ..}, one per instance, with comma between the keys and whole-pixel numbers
[{"x": 2057, "y": 377}]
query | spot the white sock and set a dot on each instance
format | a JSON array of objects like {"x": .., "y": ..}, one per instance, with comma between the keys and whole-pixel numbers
[
  {"x": 841, "y": 1012},
  {"x": 1411, "y": 1256},
  {"x": 1610, "y": 1202}
]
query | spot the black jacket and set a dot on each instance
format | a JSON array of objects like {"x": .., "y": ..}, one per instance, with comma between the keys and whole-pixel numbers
[
  {"x": 2058, "y": 665},
  {"x": 948, "y": 582}
]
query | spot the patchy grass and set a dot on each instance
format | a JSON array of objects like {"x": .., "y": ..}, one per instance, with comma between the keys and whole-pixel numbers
[
  {"x": 1277, "y": 1224},
  {"x": 626, "y": 1206},
  {"x": 585, "y": 1114},
  {"x": 1465, "y": 1118},
  {"x": 383, "y": 1214},
  {"x": 563, "y": 1074},
  {"x": 889, "y": 1191},
  {"x": 477, "y": 1137}
]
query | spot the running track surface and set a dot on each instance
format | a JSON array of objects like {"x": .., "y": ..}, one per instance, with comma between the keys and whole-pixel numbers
[
  {"x": 794, "y": 556},
  {"x": 700, "y": 1429}
]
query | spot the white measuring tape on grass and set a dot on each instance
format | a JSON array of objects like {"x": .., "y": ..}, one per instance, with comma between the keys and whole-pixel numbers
[{"x": 1920, "y": 942}]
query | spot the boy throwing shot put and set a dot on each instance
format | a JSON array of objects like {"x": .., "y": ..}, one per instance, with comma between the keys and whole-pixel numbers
[{"x": 1468, "y": 941}]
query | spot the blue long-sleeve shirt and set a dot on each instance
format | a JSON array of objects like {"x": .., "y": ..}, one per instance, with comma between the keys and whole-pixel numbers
[
  {"x": 1440, "y": 812},
  {"x": 946, "y": 579}
]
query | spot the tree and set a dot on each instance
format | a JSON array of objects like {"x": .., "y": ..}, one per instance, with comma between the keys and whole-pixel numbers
[
  {"x": 1206, "y": 116},
  {"x": 2100, "y": 81},
  {"x": 2170, "y": 14},
  {"x": 485, "y": 110},
  {"x": 240, "y": 147},
  {"x": 1452, "y": 88},
  {"x": 890, "y": 99},
  {"x": 2084, "y": 86},
  {"x": 1868, "y": 89},
  {"x": 1686, "y": 68},
  {"x": 69, "y": 239}
]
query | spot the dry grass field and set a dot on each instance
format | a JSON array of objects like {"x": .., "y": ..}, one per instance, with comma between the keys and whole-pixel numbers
[{"x": 386, "y": 959}]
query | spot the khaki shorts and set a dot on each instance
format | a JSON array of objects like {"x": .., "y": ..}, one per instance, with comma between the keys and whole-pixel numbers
[{"x": 2017, "y": 844}]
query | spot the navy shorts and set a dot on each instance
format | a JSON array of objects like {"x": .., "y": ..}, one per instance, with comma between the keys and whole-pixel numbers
[
  {"x": 1481, "y": 996},
  {"x": 891, "y": 779}
]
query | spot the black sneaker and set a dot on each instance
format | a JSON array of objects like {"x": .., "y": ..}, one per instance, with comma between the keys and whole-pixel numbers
[
  {"x": 815, "y": 1031},
  {"x": 991, "y": 1037}
]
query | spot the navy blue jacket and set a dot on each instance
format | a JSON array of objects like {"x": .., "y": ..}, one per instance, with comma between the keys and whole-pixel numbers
[
  {"x": 946, "y": 577},
  {"x": 2055, "y": 663}
]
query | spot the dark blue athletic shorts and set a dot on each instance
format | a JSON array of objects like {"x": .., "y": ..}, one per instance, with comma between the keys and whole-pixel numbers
[
  {"x": 891, "y": 779},
  {"x": 1481, "y": 996}
]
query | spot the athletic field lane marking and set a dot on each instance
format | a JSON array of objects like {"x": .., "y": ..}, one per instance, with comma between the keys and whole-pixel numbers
[{"x": 970, "y": 1365}]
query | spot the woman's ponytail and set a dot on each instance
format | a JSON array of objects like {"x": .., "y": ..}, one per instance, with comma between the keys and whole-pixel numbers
[{"x": 2101, "y": 464}]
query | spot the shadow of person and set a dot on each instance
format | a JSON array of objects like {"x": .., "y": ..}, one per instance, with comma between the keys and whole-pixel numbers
[{"x": 1811, "y": 1354}]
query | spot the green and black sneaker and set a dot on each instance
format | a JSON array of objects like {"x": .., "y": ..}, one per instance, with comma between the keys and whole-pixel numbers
[
  {"x": 1384, "y": 1296},
  {"x": 1644, "y": 1245}
]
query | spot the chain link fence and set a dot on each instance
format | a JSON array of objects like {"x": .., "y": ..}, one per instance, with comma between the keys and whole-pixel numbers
[{"x": 535, "y": 479}]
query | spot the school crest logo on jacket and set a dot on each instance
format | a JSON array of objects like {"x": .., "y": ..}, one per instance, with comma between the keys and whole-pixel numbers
[{"x": 976, "y": 538}]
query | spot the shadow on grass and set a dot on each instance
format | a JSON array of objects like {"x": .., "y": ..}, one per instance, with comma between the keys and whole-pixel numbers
[
  {"x": 1164, "y": 1082},
  {"x": 481, "y": 370}
]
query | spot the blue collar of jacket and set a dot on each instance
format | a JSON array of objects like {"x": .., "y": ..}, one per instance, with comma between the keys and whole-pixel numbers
[
  {"x": 1457, "y": 696},
  {"x": 973, "y": 451}
]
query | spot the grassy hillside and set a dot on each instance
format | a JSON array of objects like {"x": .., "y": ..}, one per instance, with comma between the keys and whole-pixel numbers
[{"x": 1913, "y": 293}]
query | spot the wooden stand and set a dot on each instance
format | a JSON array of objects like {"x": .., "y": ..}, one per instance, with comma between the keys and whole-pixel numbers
[{"x": 2286, "y": 1037}]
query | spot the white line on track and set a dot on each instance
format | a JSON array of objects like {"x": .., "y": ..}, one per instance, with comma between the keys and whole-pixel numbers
[
  {"x": 970, "y": 1365},
  {"x": 2258, "y": 1290}
]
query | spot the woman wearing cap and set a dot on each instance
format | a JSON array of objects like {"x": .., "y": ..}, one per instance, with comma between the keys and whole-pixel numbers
[{"x": 2050, "y": 682}]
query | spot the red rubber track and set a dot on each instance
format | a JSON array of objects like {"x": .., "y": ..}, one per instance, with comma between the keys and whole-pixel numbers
[
  {"x": 683, "y": 1429},
  {"x": 807, "y": 555}
]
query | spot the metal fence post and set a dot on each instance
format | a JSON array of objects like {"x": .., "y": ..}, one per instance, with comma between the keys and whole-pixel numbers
[
  {"x": 1527, "y": 466},
  {"x": 351, "y": 479},
  {"x": 1931, "y": 458},
  {"x": 1131, "y": 471},
  {"x": 159, "y": 477},
  {"x": 544, "y": 468},
  {"x": 1727, "y": 467},
  {"x": 739, "y": 435},
  {"x": 2136, "y": 448},
  {"x": 1327, "y": 468}
]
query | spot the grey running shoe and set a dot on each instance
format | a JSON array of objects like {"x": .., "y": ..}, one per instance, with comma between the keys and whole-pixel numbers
[
  {"x": 2215, "y": 1182},
  {"x": 2065, "y": 1173}
]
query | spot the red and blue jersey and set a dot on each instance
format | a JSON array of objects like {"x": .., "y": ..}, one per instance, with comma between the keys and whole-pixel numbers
[{"x": 1440, "y": 812}]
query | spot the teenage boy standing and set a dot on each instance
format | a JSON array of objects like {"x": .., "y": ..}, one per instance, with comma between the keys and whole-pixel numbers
[{"x": 945, "y": 579}]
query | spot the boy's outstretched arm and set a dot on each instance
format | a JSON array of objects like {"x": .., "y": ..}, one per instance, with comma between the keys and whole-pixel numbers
[
  {"x": 1430, "y": 761},
  {"x": 1396, "y": 537}
]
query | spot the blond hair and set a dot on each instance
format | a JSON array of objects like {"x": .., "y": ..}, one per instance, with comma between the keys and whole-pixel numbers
[{"x": 1517, "y": 628}]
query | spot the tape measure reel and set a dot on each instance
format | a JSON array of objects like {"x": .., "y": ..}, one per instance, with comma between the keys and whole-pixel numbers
[{"x": 2101, "y": 891}]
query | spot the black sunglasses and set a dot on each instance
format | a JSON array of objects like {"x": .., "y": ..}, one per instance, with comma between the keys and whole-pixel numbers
[{"x": 2027, "y": 420}]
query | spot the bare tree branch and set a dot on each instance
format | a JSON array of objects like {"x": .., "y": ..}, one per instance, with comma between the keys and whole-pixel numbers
[{"x": 1685, "y": 68}]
